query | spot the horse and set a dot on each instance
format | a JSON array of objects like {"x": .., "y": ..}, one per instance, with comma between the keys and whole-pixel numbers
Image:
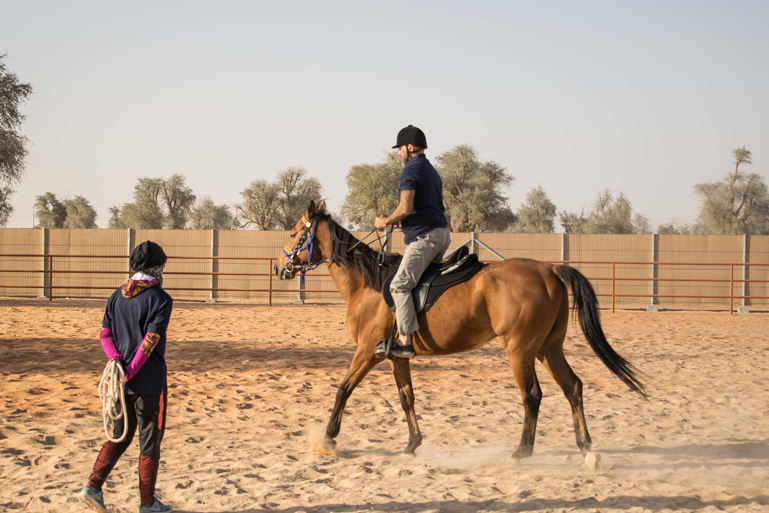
[{"x": 523, "y": 302}]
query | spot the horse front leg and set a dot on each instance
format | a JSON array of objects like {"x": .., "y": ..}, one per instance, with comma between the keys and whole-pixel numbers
[
  {"x": 363, "y": 361},
  {"x": 402, "y": 373}
]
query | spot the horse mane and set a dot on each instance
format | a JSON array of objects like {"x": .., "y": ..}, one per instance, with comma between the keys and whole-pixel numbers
[{"x": 346, "y": 251}]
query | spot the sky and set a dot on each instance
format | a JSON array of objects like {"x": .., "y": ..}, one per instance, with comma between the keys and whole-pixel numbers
[{"x": 645, "y": 98}]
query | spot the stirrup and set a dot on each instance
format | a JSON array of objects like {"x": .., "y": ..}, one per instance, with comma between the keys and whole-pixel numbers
[{"x": 384, "y": 348}]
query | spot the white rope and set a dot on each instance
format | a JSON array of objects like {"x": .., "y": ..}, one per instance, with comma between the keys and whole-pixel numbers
[{"x": 112, "y": 395}]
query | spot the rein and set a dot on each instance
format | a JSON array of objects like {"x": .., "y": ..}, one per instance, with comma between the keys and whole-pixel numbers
[{"x": 381, "y": 254}]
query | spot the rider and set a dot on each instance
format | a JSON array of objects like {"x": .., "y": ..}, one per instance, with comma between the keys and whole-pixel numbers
[
  {"x": 134, "y": 331},
  {"x": 420, "y": 213}
]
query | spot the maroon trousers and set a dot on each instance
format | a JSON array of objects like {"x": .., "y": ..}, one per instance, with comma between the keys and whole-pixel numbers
[{"x": 148, "y": 414}]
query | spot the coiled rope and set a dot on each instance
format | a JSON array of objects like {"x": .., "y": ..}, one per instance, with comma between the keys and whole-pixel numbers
[{"x": 112, "y": 395}]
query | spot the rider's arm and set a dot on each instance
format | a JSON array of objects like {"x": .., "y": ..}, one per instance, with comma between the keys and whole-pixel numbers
[
  {"x": 404, "y": 208},
  {"x": 108, "y": 345}
]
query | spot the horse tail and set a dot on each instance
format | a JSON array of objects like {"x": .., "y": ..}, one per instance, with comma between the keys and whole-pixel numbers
[{"x": 586, "y": 306}]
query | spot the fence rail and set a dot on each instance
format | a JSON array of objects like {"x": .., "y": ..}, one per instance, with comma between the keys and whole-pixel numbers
[{"x": 50, "y": 271}]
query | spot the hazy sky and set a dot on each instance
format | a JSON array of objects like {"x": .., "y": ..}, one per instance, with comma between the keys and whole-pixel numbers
[{"x": 647, "y": 97}]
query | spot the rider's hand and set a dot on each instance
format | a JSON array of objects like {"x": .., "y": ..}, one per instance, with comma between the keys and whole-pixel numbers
[{"x": 380, "y": 223}]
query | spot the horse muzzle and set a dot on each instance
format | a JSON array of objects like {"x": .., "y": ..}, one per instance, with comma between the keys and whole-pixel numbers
[{"x": 282, "y": 272}]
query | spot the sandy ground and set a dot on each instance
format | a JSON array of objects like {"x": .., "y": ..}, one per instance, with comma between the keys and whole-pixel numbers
[{"x": 249, "y": 385}]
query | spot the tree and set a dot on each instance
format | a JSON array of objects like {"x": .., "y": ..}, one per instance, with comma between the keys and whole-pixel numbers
[
  {"x": 537, "y": 215},
  {"x": 145, "y": 213},
  {"x": 80, "y": 213},
  {"x": 157, "y": 204},
  {"x": 296, "y": 192},
  {"x": 641, "y": 225},
  {"x": 13, "y": 145},
  {"x": 6, "y": 209},
  {"x": 473, "y": 191},
  {"x": 260, "y": 206},
  {"x": 609, "y": 215},
  {"x": 116, "y": 219},
  {"x": 278, "y": 205},
  {"x": 178, "y": 200},
  {"x": 49, "y": 211},
  {"x": 372, "y": 191},
  {"x": 573, "y": 223},
  {"x": 738, "y": 204},
  {"x": 208, "y": 216}
]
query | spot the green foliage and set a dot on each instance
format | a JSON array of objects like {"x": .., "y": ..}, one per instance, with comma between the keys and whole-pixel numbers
[
  {"x": 537, "y": 215},
  {"x": 609, "y": 215},
  {"x": 178, "y": 200},
  {"x": 157, "y": 204},
  {"x": 473, "y": 191},
  {"x": 13, "y": 145},
  {"x": 296, "y": 192},
  {"x": 261, "y": 201},
  {"x": 6, "y": 209},
  {"x": 736, "y": 205},
  {"x": 372, "y": 190},
  {"x": 70, "y": 213},
  {"x": 49, "y": 211},
  {"x": 278, "y": 205},
  {"x": 209, "y": 216},
  {"x": 80, "y": 213}
]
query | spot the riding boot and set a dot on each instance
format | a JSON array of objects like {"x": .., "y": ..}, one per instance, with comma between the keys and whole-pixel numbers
[
  {"x": 105, "y": 462},
  {"x": 148, "y": 474}
]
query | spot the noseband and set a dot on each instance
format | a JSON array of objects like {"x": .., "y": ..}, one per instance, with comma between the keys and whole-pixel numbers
[{"x": 306, "y": 241}]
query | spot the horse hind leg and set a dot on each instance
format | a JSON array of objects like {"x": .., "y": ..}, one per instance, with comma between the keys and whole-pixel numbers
[
  {"x": 555, "y": 362},
  {"x": 402, "y": 373},
  {"x": 531, "y": 395}
]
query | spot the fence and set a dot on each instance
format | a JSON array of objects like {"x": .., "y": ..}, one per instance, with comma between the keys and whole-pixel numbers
[{"x": 633, "y": 270}]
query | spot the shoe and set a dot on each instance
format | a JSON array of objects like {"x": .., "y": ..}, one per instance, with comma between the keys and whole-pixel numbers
[
  {"x": 156, "y": 506},
  {"x": 94, "y": 500},
  {"x": 403, "y": 351}
]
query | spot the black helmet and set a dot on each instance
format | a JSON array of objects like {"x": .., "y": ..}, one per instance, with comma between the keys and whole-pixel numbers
[
  {"x": 411, "y": 135},
  {"x": 146, "y": 255}
]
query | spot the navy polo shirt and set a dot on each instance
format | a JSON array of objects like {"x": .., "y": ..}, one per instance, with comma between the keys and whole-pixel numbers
[
  {"x": 420, "y": 176},
  {"x": 130, "y": 320}
]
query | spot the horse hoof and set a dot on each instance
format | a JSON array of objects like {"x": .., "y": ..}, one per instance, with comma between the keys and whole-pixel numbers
[
  {"x": 408, "y": 454},
  {"x": 326, "y": 447},
  {"x": 593, "y": 462}
]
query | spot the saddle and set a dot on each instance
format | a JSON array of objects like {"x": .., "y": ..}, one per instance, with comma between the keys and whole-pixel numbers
[{"x": 460, "y": 267}]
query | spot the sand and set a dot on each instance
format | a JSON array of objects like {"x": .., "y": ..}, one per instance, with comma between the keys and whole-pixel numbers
[{"x": 251, "y": 385}]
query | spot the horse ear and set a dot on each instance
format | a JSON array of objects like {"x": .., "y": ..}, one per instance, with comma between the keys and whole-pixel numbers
[
  {"x": 310, "y": 210},
  {"x": 322, "y": 206}
]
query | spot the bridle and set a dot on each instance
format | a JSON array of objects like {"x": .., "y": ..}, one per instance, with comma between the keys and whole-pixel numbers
[{"x": 305, "y": 241}]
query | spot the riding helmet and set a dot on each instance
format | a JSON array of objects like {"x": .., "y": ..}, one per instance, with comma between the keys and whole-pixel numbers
[{"x": 411, "y": 135}]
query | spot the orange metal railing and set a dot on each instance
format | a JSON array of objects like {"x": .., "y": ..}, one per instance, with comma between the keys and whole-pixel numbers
[{"x": 50, "y": 271}]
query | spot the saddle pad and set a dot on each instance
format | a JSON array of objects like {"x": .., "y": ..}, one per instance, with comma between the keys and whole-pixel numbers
[{"x": 435, "y": 281}]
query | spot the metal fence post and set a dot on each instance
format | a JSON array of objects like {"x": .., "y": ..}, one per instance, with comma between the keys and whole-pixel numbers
[
  {"x": 44, "y": 283},
  {"x": 653, "y": 302},
  {"x": 472, "y": 242},
  {"x": 563, "y": 247},
  {"x": 213, "y": 282},
  {"x": 131, "y": 240},
  {"x": 743, "y": 308},
  {"x": 300, "y": 297}
]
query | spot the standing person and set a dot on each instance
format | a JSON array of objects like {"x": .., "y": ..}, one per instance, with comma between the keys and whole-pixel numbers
[
  {"x": 134, "y": 331},
  {"x": 420, "y": 212}
]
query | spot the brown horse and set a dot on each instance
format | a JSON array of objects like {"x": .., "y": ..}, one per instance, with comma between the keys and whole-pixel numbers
[{"x": 523, "y": 302}]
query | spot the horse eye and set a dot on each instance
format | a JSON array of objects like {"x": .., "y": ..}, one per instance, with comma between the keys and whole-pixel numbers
[{"x": 292, "y": 234}]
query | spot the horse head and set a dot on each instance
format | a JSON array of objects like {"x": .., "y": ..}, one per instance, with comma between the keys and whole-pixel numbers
[{"x": 301, "y": 252}]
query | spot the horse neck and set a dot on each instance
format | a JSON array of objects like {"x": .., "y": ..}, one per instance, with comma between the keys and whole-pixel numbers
[{"x": 348, "y": 281}]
